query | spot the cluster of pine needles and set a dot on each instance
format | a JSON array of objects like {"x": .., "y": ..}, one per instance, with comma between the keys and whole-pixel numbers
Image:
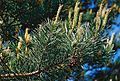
[{"x": 55, "y": 49}]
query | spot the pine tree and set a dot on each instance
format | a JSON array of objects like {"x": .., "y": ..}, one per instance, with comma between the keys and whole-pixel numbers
[{"x": 57, "y": 50}]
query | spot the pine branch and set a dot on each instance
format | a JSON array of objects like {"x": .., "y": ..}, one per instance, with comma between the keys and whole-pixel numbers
[
  {"x": 11, "y": 75},
  {"x": 34, "y": 73}
]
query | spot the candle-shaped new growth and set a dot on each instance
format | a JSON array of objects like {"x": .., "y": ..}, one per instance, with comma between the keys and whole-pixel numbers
[
  {"x": 76, "y": 11},
  {"x": 58, "y": 12},
  {"x": 79, "y": 29},
  {"x": 75, "y": 18},
  {"x": 104, "y": 11},
  {"x": 19, "y": 46},
  {"x": 98, "y": 22},
  {"x": 111, "y": 40},
  {"x": 97, "y": 19},
  {"x": 100, "y": 9},
  {"x": 80, "y": 19},
  {"x": 27, "y": 40},
  {"x": 110, "y": 44},
  {"x": 26, "y": 33},
  {"x": 105, "y": 18},
  {"x": 70, "y": 16},
  {"x": 27, "y": 36}
]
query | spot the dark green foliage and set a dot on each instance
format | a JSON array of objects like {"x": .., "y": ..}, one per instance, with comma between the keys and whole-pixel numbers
[{"x": 54, "y": 51}]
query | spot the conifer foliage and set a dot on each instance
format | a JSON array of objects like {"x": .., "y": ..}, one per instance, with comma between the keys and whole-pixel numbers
[{"x": 71, "y": 50}]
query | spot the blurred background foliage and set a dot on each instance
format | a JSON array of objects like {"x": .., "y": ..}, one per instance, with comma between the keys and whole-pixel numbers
[{"x": 80, "y": 43}]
